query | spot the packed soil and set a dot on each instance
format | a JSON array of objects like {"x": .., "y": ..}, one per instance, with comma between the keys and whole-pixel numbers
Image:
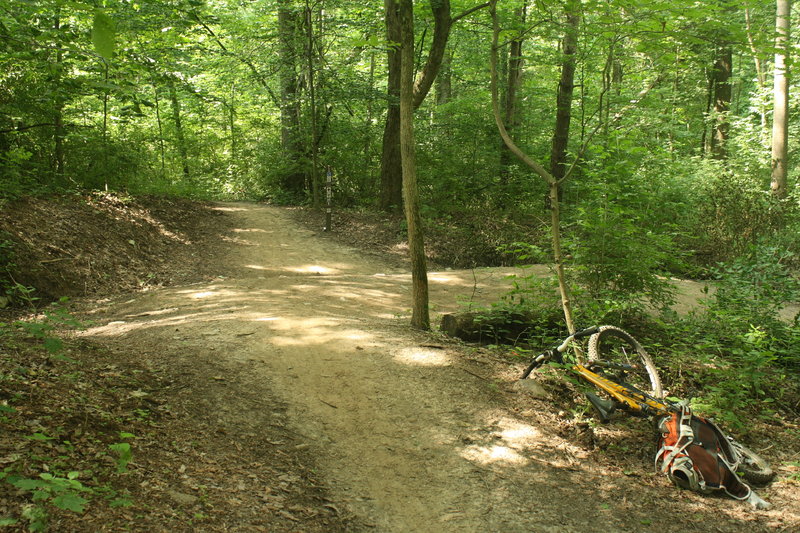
[{"x": 281, "y": 389}]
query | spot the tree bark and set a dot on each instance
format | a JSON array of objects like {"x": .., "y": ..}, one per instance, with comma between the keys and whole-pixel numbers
[
  {"x": 553, "y": 183},
  {"x": 780, "y": 123},
  {"x": 58, "y": 112},
  {"x": 558, "y": 154},
  {"x": 420, "y": 317},
  {"x": 180, "y": 138},
  {"x": 312, "y": 94},
  {"x": 391, "y": 171},
  {"x": 444, "y": 81},
  {"x": 512, "y": 87},
  {"x": 160, "y": 128},
  {"x": 723, "y": 68},
  {"x": 293, "y": 179}
]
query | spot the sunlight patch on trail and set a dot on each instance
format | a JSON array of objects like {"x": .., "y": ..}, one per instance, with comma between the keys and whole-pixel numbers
[
  {"x": 250, "y": 230},
  {"x": 316, "y": 269},
  {"x": 509, "y": 441},
  {"x": 422, "y": 356}
]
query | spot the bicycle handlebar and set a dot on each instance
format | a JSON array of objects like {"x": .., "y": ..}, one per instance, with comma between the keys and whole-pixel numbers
[
  {"x": 588, "y": 332},
  {"x": 556, "y": 350}
]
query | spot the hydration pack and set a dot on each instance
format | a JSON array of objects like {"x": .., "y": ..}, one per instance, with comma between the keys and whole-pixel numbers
[{"x": 696, "y": 455}]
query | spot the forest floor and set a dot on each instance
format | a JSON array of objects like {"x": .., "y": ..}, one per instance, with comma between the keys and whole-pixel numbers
[{"x": 266, "y": 379}]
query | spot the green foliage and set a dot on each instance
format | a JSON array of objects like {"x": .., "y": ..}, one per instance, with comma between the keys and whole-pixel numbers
[
  {"x": 756, "y": 285},
  {"x": 103, "y": 34},
  {"x": 738, "y": 356},
  {"x": 124, "y": 455},
  {"x": 65, "y": 493}
]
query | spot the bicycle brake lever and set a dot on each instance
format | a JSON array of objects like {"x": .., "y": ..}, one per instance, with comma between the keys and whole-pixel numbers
[{"x": 538, "y": 361}]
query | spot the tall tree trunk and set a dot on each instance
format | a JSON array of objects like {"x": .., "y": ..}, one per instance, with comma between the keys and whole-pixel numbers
[
  {"x": 312, "y": 101},
  {"x": 420, "y": 317},
  {"x": 391, "y": 169},
  {"x": 391, "y": 172},
  {"x": 512, "y": 88},
  {"x": 444, "y": 81},
  {"x": 160, "y": 128},
  {"x": 58, "y": 112},
  {"x": 179, "y": 134},
  {"x": 558, "y": 154},
  {"x": 368, "y": 180},
  {"x": 723, "y": 69},
  {"x": 293, "y": 179},
  {"x": 232, "y": 122},
  {"x": 552, "y": 182},
  {"x": 780, "y": 124}
]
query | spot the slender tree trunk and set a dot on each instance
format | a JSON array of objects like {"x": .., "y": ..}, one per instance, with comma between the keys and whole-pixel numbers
[
  {"x": 553, "y": 183},
  {"x": 566, "y": 85},
  {"x": 705, "y": 144},
  {"x": 293, "y": 179},
  {"x": 312, "y": 94},
  {"x": 514, "y": 77},
  {"x": 762, "y": 79},
  {"x": 780, "y": 123},
  {"x": 179, "y": 134},
  {"x": 723, "y": 69},
  {"x": 420, "y": 317},
  {"x": 58, "y": 112},
  {"x": 444, "y": 81},
  {"x": 391, "y": 169},
  {"x": 232, "y": 122},
  {"x": 391, "y": 172},
  {"x": 105, "y": 129},
  {"x": 368, "y": 176},
  {"x": 160, "y": 129}
]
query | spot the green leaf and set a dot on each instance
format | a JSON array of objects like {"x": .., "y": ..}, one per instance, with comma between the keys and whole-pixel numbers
[
  {"x": 29, "y": 484},
  {"x": 7, "y": 409},
  {"x": 8, "y": 521},
  {"x": 120, "y": 502},
  {"x": 103, "y": 34},
  {"x": 123, "y": 449},
  {"x": 70, "y": 502},
  {"x": 53, "y": 344},
  {"x": 39, "y": 437}
]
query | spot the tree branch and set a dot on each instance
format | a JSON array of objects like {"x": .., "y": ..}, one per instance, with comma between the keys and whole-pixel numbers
[
  {"x": 512, "y": 146},
  {"x": 469, "y": 12}
]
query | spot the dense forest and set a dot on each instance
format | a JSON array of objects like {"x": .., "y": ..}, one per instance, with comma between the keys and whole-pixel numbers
[
  {"x": 622, "y": 146},
  {"x": 625, "y": 142}
]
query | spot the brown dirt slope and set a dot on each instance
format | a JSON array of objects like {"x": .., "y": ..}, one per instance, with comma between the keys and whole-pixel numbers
[{"x": 98, "y": 243}]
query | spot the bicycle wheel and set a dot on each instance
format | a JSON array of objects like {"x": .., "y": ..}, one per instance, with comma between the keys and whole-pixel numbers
[
  {"x": 752, "y": 467},
  {"x": 613, "y": 346}
]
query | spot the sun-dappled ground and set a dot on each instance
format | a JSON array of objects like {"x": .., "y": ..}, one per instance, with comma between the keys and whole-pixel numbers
[{"x": 285, "y": 391}]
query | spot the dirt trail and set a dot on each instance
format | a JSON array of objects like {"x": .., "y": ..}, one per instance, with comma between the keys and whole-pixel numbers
[{"x": 407, "y": 435}]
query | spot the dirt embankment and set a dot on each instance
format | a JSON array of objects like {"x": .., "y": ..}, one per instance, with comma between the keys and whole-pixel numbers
[{"x": 101, "y": 244}]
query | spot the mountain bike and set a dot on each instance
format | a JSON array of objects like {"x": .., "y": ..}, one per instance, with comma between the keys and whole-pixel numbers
[{"x": 624, "y": 372}]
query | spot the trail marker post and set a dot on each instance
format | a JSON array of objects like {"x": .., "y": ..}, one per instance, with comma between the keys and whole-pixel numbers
[{"x": 328, "y": 200}]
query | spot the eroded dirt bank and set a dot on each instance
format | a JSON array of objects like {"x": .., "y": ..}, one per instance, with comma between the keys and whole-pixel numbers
[{"x": 408, "y": 432}]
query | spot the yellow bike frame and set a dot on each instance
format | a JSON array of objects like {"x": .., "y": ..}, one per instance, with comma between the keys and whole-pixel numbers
[{"x": 630, "y": 399}]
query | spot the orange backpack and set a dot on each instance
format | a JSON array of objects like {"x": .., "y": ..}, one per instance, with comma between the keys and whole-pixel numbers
[{"x": 696, "y": 455}]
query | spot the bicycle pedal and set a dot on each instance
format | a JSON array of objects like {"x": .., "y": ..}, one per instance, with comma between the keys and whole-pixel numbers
[{"x": 603, "y": 407}]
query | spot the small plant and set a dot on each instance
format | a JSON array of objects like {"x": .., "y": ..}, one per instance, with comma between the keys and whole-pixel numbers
[
  {"x": 65, "y": 493},
  {"x": 123, "y": 452},
  {"x": 57, "y": 316}
]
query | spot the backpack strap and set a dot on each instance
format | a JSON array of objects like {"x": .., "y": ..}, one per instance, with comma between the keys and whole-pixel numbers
[{"x": 668, "y": 453}]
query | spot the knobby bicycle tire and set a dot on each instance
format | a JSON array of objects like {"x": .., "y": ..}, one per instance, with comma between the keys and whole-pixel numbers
[
  {"x": 648, "y": 372},
  {"x": 752, "y": 467}
]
